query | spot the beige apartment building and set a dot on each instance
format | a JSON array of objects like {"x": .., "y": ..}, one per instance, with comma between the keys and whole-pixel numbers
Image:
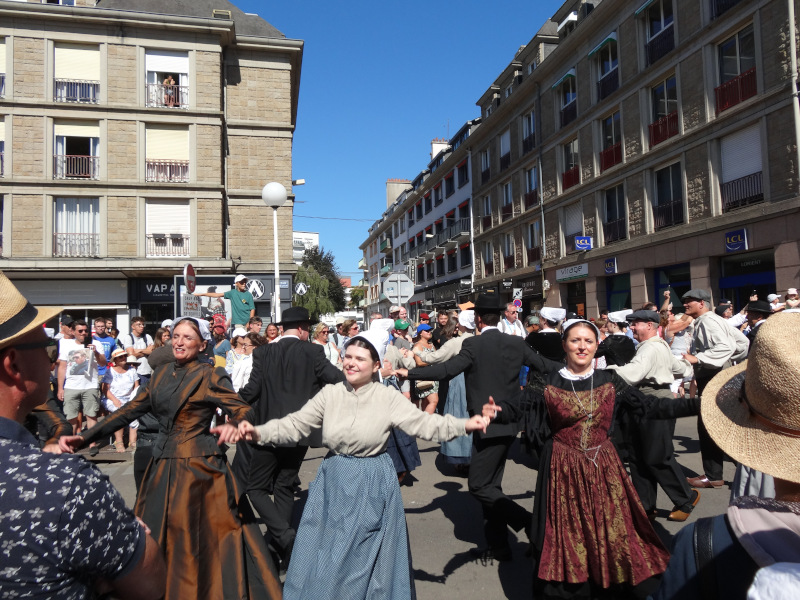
[
  {"x": 664, "y": 131},
  {"x": 135, "y": 137}
]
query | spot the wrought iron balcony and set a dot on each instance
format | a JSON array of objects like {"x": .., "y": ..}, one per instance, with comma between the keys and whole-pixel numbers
[
  {"x": 508, "y": 262},
  {"x": 76, "y": 245},
  {"x": 487, "y": 222},
  {"x": 616, "y": 230},
  {"x": 569, "y": 113},
  {"x": 611, "y": 156},
  {"x": 663, "y": 129},
  {"x": 167, "y": 96},
  {"x": 534, "y": 254},
  {"x": 170, "y": 171},
  {"x": 668, "y": 214},
  {"x": 736, "y": 90},
  {"x": 505, "y": 161},
  {"x": 570, "y": 177},
  {"x": 506, "y": 212},
  {"x": 528, "y": 143},
  {"x": 742, "y": 192},
  {"x": 167, "y": 244},
  {"x": 661, "y": 45},
  {"x": 608, "y": 84},
  {"x": 531, "y": 199},
  {"x": 67, "y": 166},
  {"x": 488, "y": 269},
  {"x": 76, "y": 90}
]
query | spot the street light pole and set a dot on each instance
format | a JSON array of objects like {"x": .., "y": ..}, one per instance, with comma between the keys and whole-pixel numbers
[{"x": 274, "y": 195}]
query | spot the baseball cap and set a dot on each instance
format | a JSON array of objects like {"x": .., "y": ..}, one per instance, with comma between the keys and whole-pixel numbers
[
  {"x": 166, "y": 323},
  {"x": 240, "y": 278},
  {"x": 424, "y": 316},
  {"x": 772, "y": 297},
  {"x": 401, "y": 324},
  {"x": 424, "y": 327}
]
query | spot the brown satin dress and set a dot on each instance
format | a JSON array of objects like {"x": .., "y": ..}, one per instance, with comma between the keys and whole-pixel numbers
[{"x": 188, "y": 496}]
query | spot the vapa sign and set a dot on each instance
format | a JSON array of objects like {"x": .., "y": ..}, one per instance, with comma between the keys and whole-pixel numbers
[
  {"x": 574, "y": 272},
  {"x": 736, "y": 240}
]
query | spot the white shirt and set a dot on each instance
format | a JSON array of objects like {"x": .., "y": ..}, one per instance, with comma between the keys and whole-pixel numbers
[
  {"x": 516, "y": 328},
  {"x": 79, "y": 375}
]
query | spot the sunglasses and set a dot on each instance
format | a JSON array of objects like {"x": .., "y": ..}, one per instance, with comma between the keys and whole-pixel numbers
[{"x": 50, "y": 345}]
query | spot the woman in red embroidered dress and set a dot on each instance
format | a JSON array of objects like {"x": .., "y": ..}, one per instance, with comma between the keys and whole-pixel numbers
[{"x": 591, "y": 537}]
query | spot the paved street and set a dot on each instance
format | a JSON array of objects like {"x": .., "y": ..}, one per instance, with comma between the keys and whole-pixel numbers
[{"x": 444, "y": 521}]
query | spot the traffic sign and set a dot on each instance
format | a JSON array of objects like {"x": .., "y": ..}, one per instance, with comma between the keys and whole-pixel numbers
[
  {"x": 300, "y": 289},
  {"x": 190, "y": 305},
  {"x": 189, "y": 277},
  {"x": 256, "y": 288},
  {"x": 516, "y": 293},
  {"x": 517, "y": 303},
  {"x": 398, "y": 288}
]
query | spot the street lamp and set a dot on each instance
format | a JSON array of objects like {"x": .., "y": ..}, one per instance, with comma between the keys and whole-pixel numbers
[{"x": 275, "y": 196}]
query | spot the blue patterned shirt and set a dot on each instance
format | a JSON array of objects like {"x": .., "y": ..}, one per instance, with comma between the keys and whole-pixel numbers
[{"x": 62, "y": 524}]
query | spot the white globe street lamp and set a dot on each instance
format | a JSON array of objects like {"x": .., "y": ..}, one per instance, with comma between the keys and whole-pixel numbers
[{"x": 274, "y": 195}]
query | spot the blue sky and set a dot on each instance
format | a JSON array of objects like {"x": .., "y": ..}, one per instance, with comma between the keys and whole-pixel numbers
[{"x": 379, "y": 81}]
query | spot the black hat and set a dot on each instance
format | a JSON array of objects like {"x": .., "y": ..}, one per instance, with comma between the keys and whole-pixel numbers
[
  {"x": 66, "y": 319},
  {"x": 488, "y": 303},
  {"x": 759, "y": 306},
  {"x": 722, "y": 309},
  {"x": 648, "y": 316},
  {"x": 295, "y": 314}
]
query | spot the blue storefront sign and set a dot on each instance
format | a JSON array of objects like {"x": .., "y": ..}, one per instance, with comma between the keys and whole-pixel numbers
[
  {"x": 610, "y": 265},
  {"x": 583, "y": 243},
  {"x": 736, "y": 240}
]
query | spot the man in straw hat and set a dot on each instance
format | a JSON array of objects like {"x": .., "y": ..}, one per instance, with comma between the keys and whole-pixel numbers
[
  {"x": 46, "y": 499},
  {"x": 753, "y": 412}
]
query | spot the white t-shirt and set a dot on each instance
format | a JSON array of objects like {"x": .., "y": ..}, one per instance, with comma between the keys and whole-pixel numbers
[
  {"x": 139, "y": 344},
  {"x": 81, "y": 364}
]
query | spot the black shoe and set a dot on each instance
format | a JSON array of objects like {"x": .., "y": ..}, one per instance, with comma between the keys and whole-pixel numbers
[{"x": 487, "y": 555}]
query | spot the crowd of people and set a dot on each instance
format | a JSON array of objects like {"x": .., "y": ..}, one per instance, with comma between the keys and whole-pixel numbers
[{"x": 594, "y": 400}]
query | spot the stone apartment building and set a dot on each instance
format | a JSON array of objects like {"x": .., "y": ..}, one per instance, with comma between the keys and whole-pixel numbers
[
  {"x": 666, "y": 132},
  {"x": 135, "y": 137}
]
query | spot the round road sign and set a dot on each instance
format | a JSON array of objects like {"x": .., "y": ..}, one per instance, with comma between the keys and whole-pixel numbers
[
  {"x": 256, "y": 288},
  {"x": 300, "y": 289},
  {"x": 518, "y": 303},
  {"x": 190, "y": 278}
]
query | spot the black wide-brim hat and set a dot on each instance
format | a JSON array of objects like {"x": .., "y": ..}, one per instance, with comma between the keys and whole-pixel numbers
[
  {"x": 295, "y": 314},
  {"x": 488, "y": 303}
]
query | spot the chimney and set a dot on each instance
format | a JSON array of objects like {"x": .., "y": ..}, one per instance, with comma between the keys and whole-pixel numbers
[
  {"x": 437, "y": 145},
  {"x": 395, "y": 187}
]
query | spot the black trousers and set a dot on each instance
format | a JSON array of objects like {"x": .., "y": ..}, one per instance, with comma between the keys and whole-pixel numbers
[
  {"x": 485, "y": 484},
  {"x": 275, "y": 469},
  {"x": 711, "y": 454}
]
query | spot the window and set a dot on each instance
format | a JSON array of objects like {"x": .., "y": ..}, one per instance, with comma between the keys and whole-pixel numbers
[
  {"x": 487, "y": 212},
  {"x": 507, "y": 210},
  {"x": 439, "y": 226},
  {"x": 661, "y": 39},
  {"x": 463, "y": 211},
  {"x": 485, "y": 166},
  {"x": 615, "y": 226},
  {"x": 488, "y": 259},
  {"x": 419, "y": 210},
  {"x": 508, "y": 251},
  {"x": 740, "y": 180},
  {"x": 167, "y": 153},
  {"x": 509, "y": 90},
  {"x": 429, "y": 270},
  {"x": 2, "y": 151},
  {"x": 668, "y": 205},
  {"x": 402, "y": 225},
  {"x": 612, "y": 142},
  {"x": 505, "y": 150},
  {"x": 528, "y": 132},
  {"x": 167, "y": 78},
  {"x": 531, "y": 187},
  {"x": 466, "y": 255},
  {"x": 571, "y": 174},
  {"x": 76, "y": 73},
  {"x": 76, "y": 227},
  {"x": 437, "y": 194},
  {"x": 449, "y": 184},
  {"x": 463, "y": 173},
  {"x": 420, "y": 273},
  {"x": 664, "y": 97},
  {"x": 452, "y": 261},
  {"x": 573, "y": 225},
  {"x": 440, "y": 266},
  {"x": 76, "y": 150},
  {"x": 167, "y": 227},
  {"x": 428, "y": 203},
  {"x": 533, "y": 242},
  {"x": 737, "y": 70},
  {"x": 568, "y": 94},
  {"x": 410, "y": 217},
  {"x": 2, "y": 67},
  {"x": 607, "y": 66},
  {"x": 61, "y": 2}
]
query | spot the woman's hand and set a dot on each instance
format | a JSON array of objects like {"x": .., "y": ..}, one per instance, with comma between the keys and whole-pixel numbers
[
  {"x": 490, "y": 409},
  {"x": 386, "y": 371},
  {"x": 401, "y": 372},
  {"x": 476, "y": 423},
  {"x": 228, "y": 434},
  {"x": 248, "y": 432},
  {"x": 70, "y": 443}
]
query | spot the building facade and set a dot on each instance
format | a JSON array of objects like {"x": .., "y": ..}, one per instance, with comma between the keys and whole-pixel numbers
[{"x": 134, "y": 142}]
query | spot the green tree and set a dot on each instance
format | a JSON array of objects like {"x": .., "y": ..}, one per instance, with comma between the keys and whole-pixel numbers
[
  {"x": 325, "y": 265},
  {"x": 316, "y": 300},
  {"x": 356, "y": 295}
]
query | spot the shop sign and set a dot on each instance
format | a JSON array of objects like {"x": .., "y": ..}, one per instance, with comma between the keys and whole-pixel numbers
[
  {"x": 190, "y": 306},
  {"x": 156, "y": 290},
  {"x": 610, "y": 265},
  {"x": 507, "y": 283},
  {"x": 583, "y": 243},
  {"x": 573, "y": 272},
  {"x": 736, "y": 240}
]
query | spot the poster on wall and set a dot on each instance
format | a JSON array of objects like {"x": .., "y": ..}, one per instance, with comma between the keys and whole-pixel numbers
[{"x": 213, "y": 309}]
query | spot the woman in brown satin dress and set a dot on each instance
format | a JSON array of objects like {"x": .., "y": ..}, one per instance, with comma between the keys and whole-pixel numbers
[{"x": 189, "y": 496}]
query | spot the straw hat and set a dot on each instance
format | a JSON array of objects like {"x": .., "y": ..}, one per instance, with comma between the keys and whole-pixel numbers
[
  {"x": 752, "y": 410},
  {"x": 17, "y": 315}
]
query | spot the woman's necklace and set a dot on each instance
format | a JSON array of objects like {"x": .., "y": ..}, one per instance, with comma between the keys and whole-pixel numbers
[{"x": 586, "y": 427}]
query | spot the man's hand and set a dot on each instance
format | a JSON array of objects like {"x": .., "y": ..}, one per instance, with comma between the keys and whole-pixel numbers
[
  {"x": 228, "y": 434},
  {"x": 401, "y": 372},
  {"x": 490, "y": 409},
  {"x": 690, "y": 358},
  {"x": 476, "y": 423},
  {"x": 666, "y": 293},
  {"x": 248, "y": 432},
  {"x": 70, "y": 443}
]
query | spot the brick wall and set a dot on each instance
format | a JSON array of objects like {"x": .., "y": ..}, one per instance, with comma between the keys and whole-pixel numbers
[
  {"x": 631, "y": 127},
  {"x": 586, "y": 151},
  {"x": 689, "y": 20},
  {"x": 28, "y": 225},
  {"x": 208, "y": 80},
  {"x": 122, "y": 75},
  {"x": 775, "y": 49},
  {"x": 552, "y": 241},
  {"x": 29, "y": 77},
  {"x": 590, "y": 218},
  {"x": 628, "y": 50},
  {"x": 781, "y": 155},
  {"x": 698, "y": 193},
  {"x": 209, "y": 229},
  {"x": 251, "y": 224},
  {"x": 122, "y": 150},
  {"x": 250, "y": 154},
  {"x": 122, "y": 221},
  {"x": 262, "y": 94},
  {"x": 692, "y": 88},
  {"x": 634, "y": 186},
  {"x": 549, "y": 175},
  {"x": 28, "y": 146},
  {"x": 209, "y": 154}
]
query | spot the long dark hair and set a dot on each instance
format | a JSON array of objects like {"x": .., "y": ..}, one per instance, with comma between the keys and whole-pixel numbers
[{"x": 450, "y": 327}]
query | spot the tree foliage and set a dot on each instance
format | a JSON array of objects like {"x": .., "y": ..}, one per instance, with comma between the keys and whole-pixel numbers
[
  {"x": 325, "y": 265},
  {"x": 316, "y": 300},
  {"x": 356, "y": 295}
]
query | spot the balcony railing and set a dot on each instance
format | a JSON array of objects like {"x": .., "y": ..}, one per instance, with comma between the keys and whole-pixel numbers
[
  {"x": 613, "y": 231},
  {"x": 67, "y": 166},
  {"x": 386, "y": 268},
  {"x": 608, "y": 84},
  {"x": 362, "y": 263},
  {"x": 720, "y": 6},
  {"x": 611, "y": 156},
  {"x": 505, "y": 161},
  {"x": 531, "y": 199},
  {"x": 386, "y": 245},
  {"x": 76, "y": 90},
  {"x": 570, "y": 177},
  {"x": 668, "y": 214},
  {"x": 506, "y": 212},
  {"x": 528, "y": 144},
  {"x": 488, "y": 269},
  {"x": 569, "y": 113},
  {"x": 742, "y": 192},
  {"x": 736, "y": 90},
  {"x": 76, "y": 245},
  {"x": 167, "y": 96},
  {"x": 534, "y": 254},
  {"x": 167, "y": 244},
  {"x": 2, "y": 85},
  {"x": 569, "y": 242},
  {"x": 173, "y": 171},
  {"x": 508, "y": 262},
  {"x": 663, "y": 129},
  {"x": 661, "y": 45},
  {"x": 485, "y": 175},
  {"x": 2, "y": 164}
]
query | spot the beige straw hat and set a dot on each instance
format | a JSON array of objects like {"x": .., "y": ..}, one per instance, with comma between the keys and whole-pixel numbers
[
  {"x": 17, "y": 315},
  {"x": 752, "y": 410}
]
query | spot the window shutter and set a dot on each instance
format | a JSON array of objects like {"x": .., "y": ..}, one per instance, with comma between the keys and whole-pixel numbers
[
  {"x": 164, "y": 61},
  {"x": 73, "y": 61},
  {"x": 741, "y": 154},
  {"x": 573, "y": 219},
  {"x": 167, "y": 216},
  {"x": 2, "y": 55},
  {"x": 88, "y": 129},
  {"x": 2, "y": 129},
  {"x": 166, "y": 142},
  {"x": 505, "y": 143}
]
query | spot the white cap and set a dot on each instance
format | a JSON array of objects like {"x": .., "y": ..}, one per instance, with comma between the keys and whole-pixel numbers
[
  {"x": 239, "y": 331},
  {"x": 240, "y": 278},
  {"x": 791, "y": 291},
  {"x": 394, "y": 308},
  {"x": 772, "y": 297},
  {"x": 166, "y": 323},
  {"x": 466, "y": 318},
  {"x": 377, "y": 338},
  {"x": 340, "y": 320},
  {"x": 618, "y": 316},
  {"x": 202, "y": 325},
  {"x": 553, "y": 314},
  {"x": 382, "y": 325},
  {"x": 571, "y": 322}
]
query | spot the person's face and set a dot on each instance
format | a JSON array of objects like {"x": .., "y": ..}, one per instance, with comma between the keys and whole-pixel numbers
[
  {"x": 426, "y": 334},
  {"x": 241, "y": 285},
  {"x": 753, "y": 317},
  {"x": 109, "y": 324},
  {"x": 604, "y": 329},
  {"x": 323, "y": 336},
  {"x": 186, "y": 343},
  {"x": 424, "y": 321},
  {"x": 137, "y": 328},
  {"x": 442, "y": 319},
  {"x": 254, "y": 328},
  {"x": 121, "y": 361},
  {"x": 100, "y": 328},
  {"x": 272, "y": 331},
  {"x": 359, "y": 366},
  {"x": 165, "y": 336},
  {"x": 353, "y": 330},
  {"x": 403, "y": 313},
  {"x": 246, "y": 345},
  {"x": 692, "y": 307},
  {"x": 580, "y": 346},
  {"x": 641, "y": 330},
  {"x": 79, "y": 357},
  {"x": 35, "y": 365},
  {"x": 728, "y": 312},
  {"x": 81, "y": 332},
  {"x": 511, "y": 314}
]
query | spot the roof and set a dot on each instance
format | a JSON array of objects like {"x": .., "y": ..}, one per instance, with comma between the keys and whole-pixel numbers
[{"x": 245, "y": 24}]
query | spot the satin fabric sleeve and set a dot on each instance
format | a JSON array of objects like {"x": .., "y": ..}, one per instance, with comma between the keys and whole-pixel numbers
[
  {"x": 140, "y": 405},
  {"x": 55, "y": 425},
  {"x": 220, "y": 392},
  {"x": 418, "y": 423},
  {"x": 295, "y": 426}
]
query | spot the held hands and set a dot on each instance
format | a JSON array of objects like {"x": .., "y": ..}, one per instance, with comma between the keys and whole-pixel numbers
[
  {"x": 70, "y": 443},
  {"x": 476, "y": 423},
  {"x": 690, "y": 358},
  {"x": 401, "y": 373},
  {"x": 248, "y": 432},
  {"x": 228, "y": 434}
]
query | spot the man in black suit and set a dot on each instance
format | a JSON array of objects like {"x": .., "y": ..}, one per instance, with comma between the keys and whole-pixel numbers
[
  {"x": 491, "y": 363},
  {"x": 285, "y": 375}
]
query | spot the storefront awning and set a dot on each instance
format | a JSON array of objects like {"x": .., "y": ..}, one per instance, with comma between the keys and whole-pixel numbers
[
  {"x": 570, "y": 73},
  {"x": 611, "y": 37}
]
